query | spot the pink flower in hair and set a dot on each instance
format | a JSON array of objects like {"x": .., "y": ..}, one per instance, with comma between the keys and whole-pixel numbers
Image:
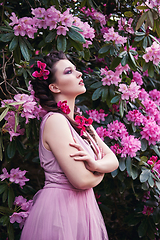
[
  {"x": 64, "y": 107},
  {"x": 82, "y": 123},
  {"x": 43, "y": 72}
]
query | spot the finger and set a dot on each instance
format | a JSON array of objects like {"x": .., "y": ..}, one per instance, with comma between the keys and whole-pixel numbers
[
  {"x": 80, "y": 158},
  {"x": 79, "y": 153},
  {"x": 77, "y": 146}
]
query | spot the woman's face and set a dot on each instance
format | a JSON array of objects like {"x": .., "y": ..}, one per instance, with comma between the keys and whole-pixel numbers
[{"x": 68, "y": 80}]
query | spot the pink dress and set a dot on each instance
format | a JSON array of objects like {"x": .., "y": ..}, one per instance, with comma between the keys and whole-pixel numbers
[{"x": 60, "y": 211}]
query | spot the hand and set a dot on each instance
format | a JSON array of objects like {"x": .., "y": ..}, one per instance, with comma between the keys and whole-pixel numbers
[{"x": 82, "y": 155}]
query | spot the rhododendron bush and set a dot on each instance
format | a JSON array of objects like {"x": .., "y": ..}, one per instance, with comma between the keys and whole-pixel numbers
[{"x": 116, "y": 44}]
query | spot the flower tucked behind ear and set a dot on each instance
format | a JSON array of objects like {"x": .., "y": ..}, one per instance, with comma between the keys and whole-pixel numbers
[
  {"x": 64, "y": 107},
  {"x": 43, "y": 72},
  {"x": 82, "y": 123}
]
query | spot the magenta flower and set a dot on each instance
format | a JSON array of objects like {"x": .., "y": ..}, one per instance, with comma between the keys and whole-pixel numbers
[
  {"x": 102, "y": 132},
  {"x": 43, "y": 72},
  {"x": 97, "y": 116},
  {"x": 82, "y": 123},
  {"x": 64, "y": 107},
  {"x": 147, "y": 210},
  {"x": 130, "y": 145}
]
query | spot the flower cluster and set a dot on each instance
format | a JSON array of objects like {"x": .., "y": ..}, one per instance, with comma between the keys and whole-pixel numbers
[
  {"x": 97, "y": 116},
  {"x": 94, "y": 15},
  {"x": 125, "y": 26},
  {"x": 154, "y": 164},
  {"x": 135, "y": 116},
  {"x": 63, "y": 106},
  {"x": 43, "y": 74},
  {"x": 15, "y": 176},
  {"x": 102, "y": 132},
  {"x": 111, "y": 77},
  {"x": 147, "y": 210},
  {"x": 131, "y": 91},
  {"x": 137, "y": 78},
  {"x": 83, "y": 123},
  {"x": 111, "y": 35},
  {"x": 153, "y": 53},
  {"x": 129, "y": 144},
  {"x": 27, "y": 108},
  {"x": 21, "y": 216},
  {"x": 52, "y": 18}
]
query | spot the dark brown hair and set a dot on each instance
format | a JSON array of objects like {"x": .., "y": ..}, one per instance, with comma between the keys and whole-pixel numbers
[{"x": 45, "y": 96}]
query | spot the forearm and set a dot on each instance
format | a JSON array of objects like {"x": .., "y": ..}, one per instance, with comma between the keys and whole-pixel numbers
[{"x": 107, "y": 164}]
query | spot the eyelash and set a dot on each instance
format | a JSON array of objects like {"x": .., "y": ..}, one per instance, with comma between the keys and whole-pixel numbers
[{"x": 69, "y": 71}]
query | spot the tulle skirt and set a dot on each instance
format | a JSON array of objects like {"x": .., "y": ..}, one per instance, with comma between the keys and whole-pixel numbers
[{"x": 63, "y": 214}]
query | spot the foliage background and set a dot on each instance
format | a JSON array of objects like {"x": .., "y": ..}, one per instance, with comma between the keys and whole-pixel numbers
[{"x": 124, "y": 193}]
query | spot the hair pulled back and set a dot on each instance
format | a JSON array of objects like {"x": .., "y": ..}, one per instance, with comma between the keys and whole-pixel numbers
[{"x": 43, "y": 93}]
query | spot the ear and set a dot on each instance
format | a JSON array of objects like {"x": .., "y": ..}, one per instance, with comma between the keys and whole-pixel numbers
[{"x": 53, "y": 88}]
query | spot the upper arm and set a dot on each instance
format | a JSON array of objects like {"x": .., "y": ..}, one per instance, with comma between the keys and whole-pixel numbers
[{"x": 57, "y": 134}]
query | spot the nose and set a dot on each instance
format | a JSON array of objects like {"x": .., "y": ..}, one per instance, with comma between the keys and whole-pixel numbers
[{"x": 79, "y": 74}]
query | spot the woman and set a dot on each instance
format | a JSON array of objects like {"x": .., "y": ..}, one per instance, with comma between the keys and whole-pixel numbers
[{"x": 69, "y": 151}]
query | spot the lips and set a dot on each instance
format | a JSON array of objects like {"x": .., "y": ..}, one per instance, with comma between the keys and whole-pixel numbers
[{"x": 81, "y": 82}]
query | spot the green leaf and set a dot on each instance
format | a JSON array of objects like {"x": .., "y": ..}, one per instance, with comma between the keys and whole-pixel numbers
[
  {"x": 144, "y": 176},
  {"x": 158, "y": 185},
  {"x": 76, "y": 36},
  {"x": 28, "y": 44},
  {"x": 155, "y": 149},
  {"x": 134, "y": 172},
  {"x": 142, "y": 229},
  {"x": 49, "y": 38},
  {"x": 116, "y": 99},
  {"x": 122, "y": 54},
  {"x": 10, "y": 231},
  {"x": 17, "y": 55},
  {"x": 122, "y": 164},
  {"x": 114, "y": 173},
  {"x": 77, "y": 28},
  {"x": 129, "y": 165},
  {"x": 11, "y": 149},
  {"x": 151, "y": 181},
  {"x": 7, "y": 37},
  {"x": 4, "y": 220},
  {"x": 144, "y": 144},
  {"x": 151, "y": 70},
  {"x": 141, "y": 20},
  {"x": 13, "y": 44},
  {"x": 145, "y": 66},
  {"x": 139, "y": 38},
  {"x": 96, "y": 85},
  {"x": 112, "y": 50},
  {"x": 6, "y": 29},
  {"x": 128, "y": 14},
  {"x": 20, "y": 147},
  {"x": 24, "y": 49},
  {"x": 104, "y": 49},
  {"x": 10, "y": 197},
  {"x": 124, "y": 60},
  {"x": 96, "y": 94},
  {"x": 150, "y": 19},
  {"x": 87, "y": 54},
  {"x": 78, "y": 46},
  {"x": 4, "y": 196},
  {"x": 4, "y": 113},
  {"x": 145, "y": 42},
  {"x": 116, "y": 61},
  {"x": 104, "y": 94},
  {"x": 61, "y": 43},
  {"x": 142, "y": 7},
  {"x": 3, "y": 187},
  {"x": 121, "y": 108}
]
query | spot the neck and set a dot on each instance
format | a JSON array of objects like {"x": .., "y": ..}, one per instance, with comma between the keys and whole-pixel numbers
[{"x": 70, "y": 103}]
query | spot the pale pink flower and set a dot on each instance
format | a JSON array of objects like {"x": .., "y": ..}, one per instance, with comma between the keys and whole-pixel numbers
[
  {"x": 61, "y": 30},
  {"x": 86, "y": 45},
  {"x": 38, "y": 12},
  {"x": 4, "y": 175},
  {"x": 19, "y": 200},
  {"x": 97, "y": 116},
  {"x": 14, "y": 19},
  {"x": 16, "y": 217},
  {"x": 67, "y": 18},
  {"x": 102, "y": 133},
  {"x": 137, "y": 78},
  {"x": 19, "y": 29},
  {"x": 17, "y": 176}
]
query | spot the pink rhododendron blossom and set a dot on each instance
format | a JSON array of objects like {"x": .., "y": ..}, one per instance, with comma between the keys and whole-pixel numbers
[
  {"x": 114, "y": 36},
  {"x": 153, "y": 53},
  {"x": 95, "y": 15},
  {"x": 43, "y": 74},
  {"x": 143, "y": 94},
  {"x": 110, "y": 77},
  {"x": 150, "y": 107},
  {"x": 17, "y": 176},
  {"x": 38, "y": 12},
  {"x": 116, "y": 149},
  {"x": 88, "y": 31},
  {"x": 151, "y": 131},
  {"x": 83, "y": 123},
  {"x": 97, "y": 116},
  {"x": 120, "y": 69},
  {"x": 130, "y": 145},
  {"x": 132, "y": 91},
  {"x": 14, "y": 19},
  {"x": 64, "y": 107},
  {"x": 16, "y": 217},
  {"x": 137, "y": 78},
  {"x": 155, "y": 96},
  {"x": 147, "y": 210},
  {"x": 61, "y": 30},
  {"x": 86, "y": 45},
  {"x": 19, "y": 200},
  {"x": 135, "y": 116},
  {"x": 116, "y": 130},
  {"x": 125, "y": 26},
  {"x": 102, "y": 133},
  {"x": 4, "y": 175},
  {"x": 19, "y": 30}
]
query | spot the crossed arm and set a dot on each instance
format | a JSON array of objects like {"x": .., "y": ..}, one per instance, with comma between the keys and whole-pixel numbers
[{"x": 76, "y": 163}]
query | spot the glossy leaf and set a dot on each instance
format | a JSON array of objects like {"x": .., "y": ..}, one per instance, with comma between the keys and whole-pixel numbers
[
  {"x": 13, "y": 44},
  {"x": 76, "y": 36},
  {"x": 4, "y": 113},
  {"x": 128, "y": 165},
  {"x": 10, "y": 197},
  {"x": 142, "y": 229},
  {"x": 104, "y": 94},
  {"x": 11, "y": 149},
  {"x": 104, "y": 49},
  {"x": 24, "y": 49},
  {"x": 141, "y": 20},
  {"x": 4, "y": 220},
  {"x": 7, "y": 37},
  {"x": 144, "y": 145},
  {"x": 134, "y": 172},
  {"x": 3, "y": 187},
  {"x": 61, "y": 43},
  {"x": 114, "y": 173},
  {"x": 96, "y": 94},
  {"x": 116, "y": 99},
  {"x": 144, "y": 176},
  {"x": 121, "y": 108},
  {"x": 122, "y": 165},
  {"x": 96, "y": 85},
  {"x": 50, "y": 37},
  {"x": 151, "y": 181},
  {"x": 116, "y": 61}
]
